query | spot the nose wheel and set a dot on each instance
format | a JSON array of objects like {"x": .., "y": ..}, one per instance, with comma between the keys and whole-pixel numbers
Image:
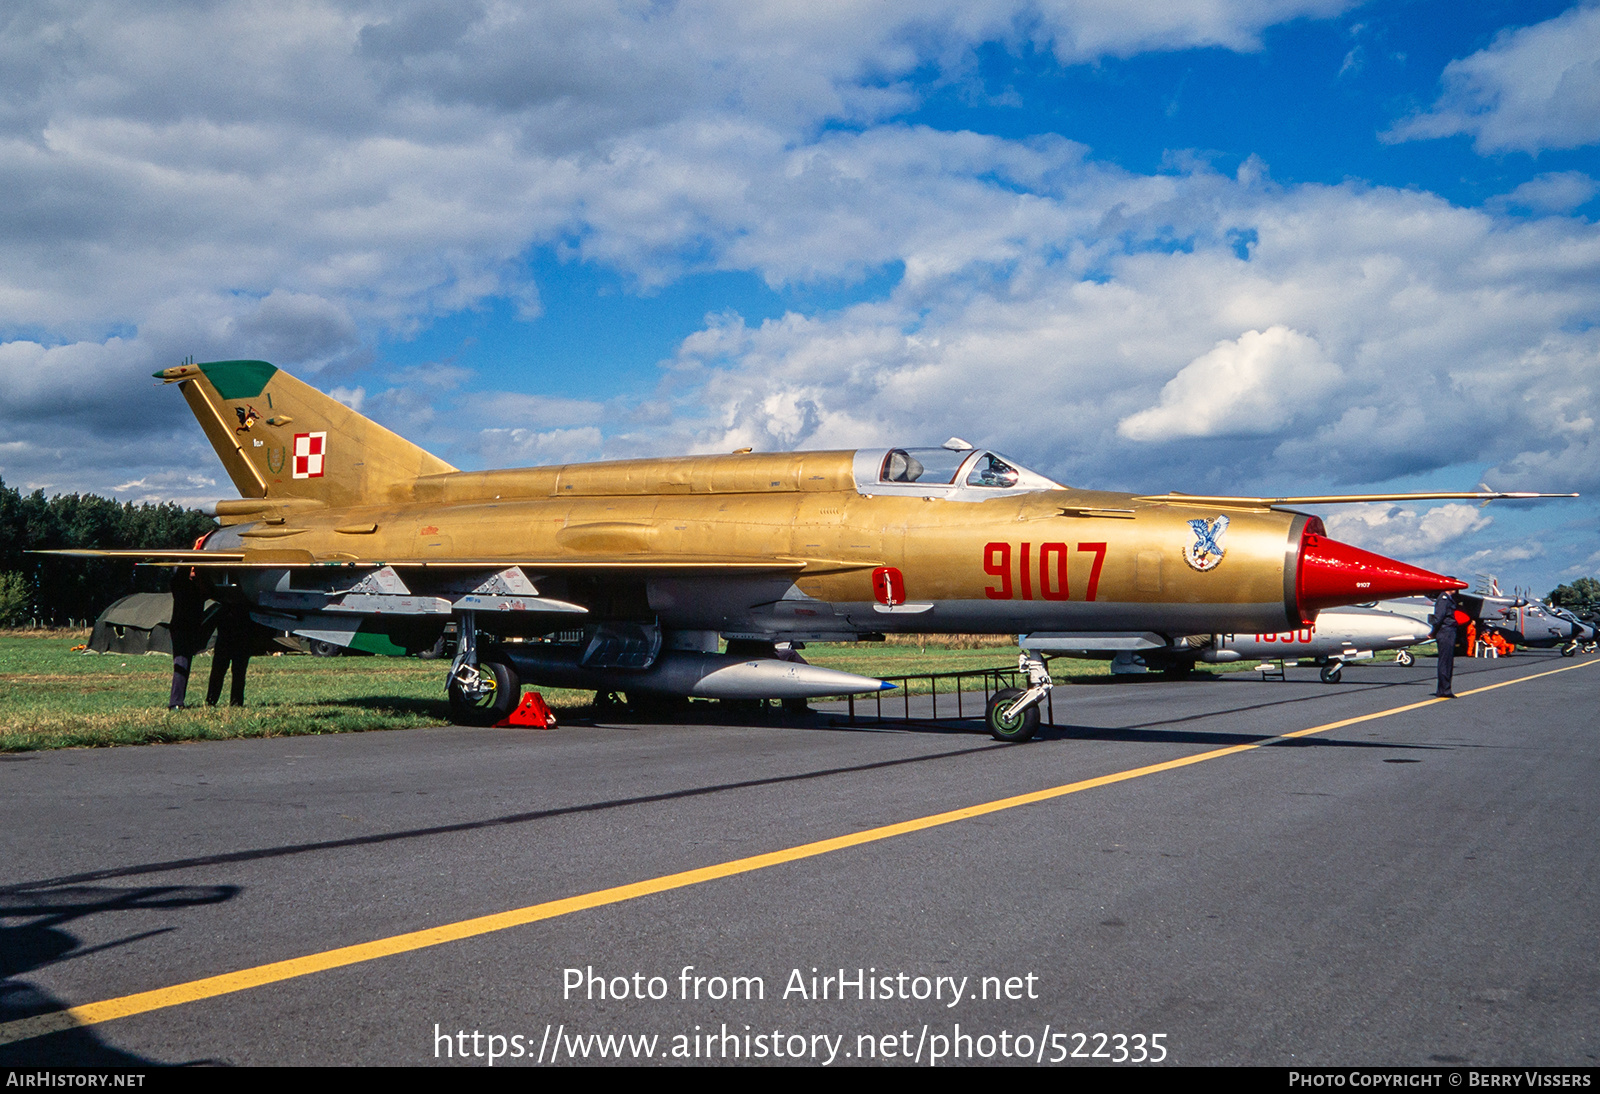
[
  {"x": 1405, "y": 658},
  {"x": 1007, "y": 724},
  {"x": 1332, "y": 671},
  {"x": 1013, "y": 714}
]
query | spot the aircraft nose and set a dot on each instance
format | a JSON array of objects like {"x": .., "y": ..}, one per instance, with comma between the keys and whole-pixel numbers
[{"x": 1334, "y": 573}]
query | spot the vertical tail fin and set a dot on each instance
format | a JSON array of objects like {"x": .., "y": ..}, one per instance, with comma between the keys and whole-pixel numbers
[{"x": 281, "y": 438}]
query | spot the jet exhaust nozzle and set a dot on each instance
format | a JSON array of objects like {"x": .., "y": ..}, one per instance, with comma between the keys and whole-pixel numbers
[{"x": 1333, "y": 574}]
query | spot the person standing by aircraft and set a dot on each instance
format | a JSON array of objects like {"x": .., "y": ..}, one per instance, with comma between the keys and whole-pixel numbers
[
  {"x": 233, "y": 651},
  {"x": 1447, "y": 616},
  {"x": 187, "y": 628}
]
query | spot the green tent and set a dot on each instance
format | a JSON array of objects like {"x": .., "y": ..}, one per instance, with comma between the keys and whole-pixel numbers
[{"x": 137, "y": 624}]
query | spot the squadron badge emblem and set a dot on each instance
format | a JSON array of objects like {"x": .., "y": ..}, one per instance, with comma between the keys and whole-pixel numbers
[{"x": 1207, "y": 549}]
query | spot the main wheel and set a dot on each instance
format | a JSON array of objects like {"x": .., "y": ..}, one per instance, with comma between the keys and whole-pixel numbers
[
  {"x": 319, "y": 648},
  {"x": 1016, "y": 729},
  {"x": 1405, "y": 658},
  {"x": 493, "y": 704},
  {"x": 1331, "y": 672}
]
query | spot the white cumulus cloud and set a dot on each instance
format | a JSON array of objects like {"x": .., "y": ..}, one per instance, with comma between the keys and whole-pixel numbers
[
  {"x": 1254, "y": 384},
  {"x": 1404, "y": 531},
  {"x": 1554, "y": 192},
  {"x": 1533, "y": 88}
]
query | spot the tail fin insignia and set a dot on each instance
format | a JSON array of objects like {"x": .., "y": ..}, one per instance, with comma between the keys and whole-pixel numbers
[{"x": 309, "y": 449}]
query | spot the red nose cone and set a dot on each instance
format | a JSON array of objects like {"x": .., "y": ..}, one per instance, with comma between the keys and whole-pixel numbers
[{"x": 1334, "y": 573}]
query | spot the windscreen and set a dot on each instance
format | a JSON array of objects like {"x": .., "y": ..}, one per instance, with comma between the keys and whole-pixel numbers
[{"x": 991, "y": 471}]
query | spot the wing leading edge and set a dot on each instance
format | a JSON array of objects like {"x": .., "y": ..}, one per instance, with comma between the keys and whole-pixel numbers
[
  {"x": 1240, "y": 502},
  {"x": 295, "y": 559}
]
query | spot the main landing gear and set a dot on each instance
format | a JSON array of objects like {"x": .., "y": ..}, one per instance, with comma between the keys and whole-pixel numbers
[
  {"x": 482, "y": 692},
  {"x": 1405, "y": 658},
  {"x": 1013, "y": 714}
]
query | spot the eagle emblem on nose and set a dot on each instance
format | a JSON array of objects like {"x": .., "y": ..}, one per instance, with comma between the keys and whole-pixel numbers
[{"x": 1207, "y": 549}]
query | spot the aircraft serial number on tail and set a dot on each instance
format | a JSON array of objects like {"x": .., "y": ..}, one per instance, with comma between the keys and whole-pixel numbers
[{"x": 1053, "y": 583}]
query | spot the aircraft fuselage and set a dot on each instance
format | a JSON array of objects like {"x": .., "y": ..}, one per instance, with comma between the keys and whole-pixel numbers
[{"x": 848, "y": 557}]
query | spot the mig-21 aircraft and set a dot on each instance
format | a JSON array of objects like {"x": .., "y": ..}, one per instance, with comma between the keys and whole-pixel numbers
[{"x": 637, "y": 569}]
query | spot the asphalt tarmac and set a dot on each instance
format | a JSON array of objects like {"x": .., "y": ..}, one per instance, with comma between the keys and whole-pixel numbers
[{"x": 1416, "y": 886}]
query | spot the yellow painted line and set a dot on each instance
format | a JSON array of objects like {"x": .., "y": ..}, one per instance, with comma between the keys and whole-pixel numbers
[{"x": 194, "y": 990}]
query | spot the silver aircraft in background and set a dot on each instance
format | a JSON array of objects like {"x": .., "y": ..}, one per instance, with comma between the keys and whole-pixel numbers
[{"x": 1338, "y": 637}]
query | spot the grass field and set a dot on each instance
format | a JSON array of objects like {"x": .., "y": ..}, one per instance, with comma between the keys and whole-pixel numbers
[{"x": 53, "y": 697}]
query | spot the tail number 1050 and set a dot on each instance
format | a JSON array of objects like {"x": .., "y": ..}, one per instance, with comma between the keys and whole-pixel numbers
[{"x": 1052, "y": 570}]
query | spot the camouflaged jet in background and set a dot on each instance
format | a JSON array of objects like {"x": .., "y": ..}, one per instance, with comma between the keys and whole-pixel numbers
[{"x": 628, "y": 575}]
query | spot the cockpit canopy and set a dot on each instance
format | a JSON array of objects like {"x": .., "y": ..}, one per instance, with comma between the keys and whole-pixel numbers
[{"x": 960, "y": 474}]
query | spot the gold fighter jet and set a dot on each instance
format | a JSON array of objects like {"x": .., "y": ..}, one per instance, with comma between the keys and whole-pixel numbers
[{"x": 629, "y": 573}]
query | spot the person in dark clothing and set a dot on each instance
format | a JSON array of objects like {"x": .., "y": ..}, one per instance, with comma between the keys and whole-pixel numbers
[
  {"x": 1447, "y": 616},
  {"x": 188, "y": 630},
  {"x": 233, "y": 651}
]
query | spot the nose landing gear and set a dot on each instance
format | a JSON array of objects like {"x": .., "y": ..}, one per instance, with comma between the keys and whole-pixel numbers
[{"x": 1013, "y": 713}]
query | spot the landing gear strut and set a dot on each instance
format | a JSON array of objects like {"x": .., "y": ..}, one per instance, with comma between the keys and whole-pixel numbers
[
  {"x": 1332, "y": 671},
  {"x": 1404, "y": 658},
  {"x": 1013, "y": 714},
  {"x": 481, "y": 692}
]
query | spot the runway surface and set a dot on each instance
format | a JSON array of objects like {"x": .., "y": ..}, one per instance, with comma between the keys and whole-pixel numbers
[{"x": 1415, "y": 885}]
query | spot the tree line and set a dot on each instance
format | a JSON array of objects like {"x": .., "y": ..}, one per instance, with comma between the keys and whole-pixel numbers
[
  {"x": 1582, "y": 597},
  {"x": 54, "y": 590}
]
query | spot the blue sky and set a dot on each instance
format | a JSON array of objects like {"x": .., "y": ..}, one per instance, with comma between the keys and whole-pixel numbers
[
  {"x": 1311, "y": 103},
  {"x": 1248, "y": 245}
]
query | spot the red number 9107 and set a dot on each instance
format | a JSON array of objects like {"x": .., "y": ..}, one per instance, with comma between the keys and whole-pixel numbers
[{"x": 1052, "y": 570}]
